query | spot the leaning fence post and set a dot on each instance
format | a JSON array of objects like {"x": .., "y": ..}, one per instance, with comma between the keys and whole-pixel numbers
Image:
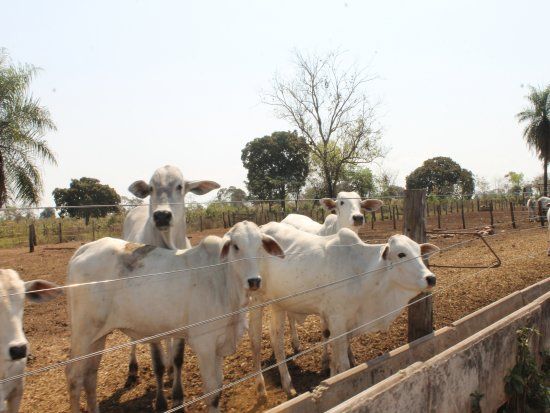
[
  {"x": 462, "y": 214},
  {"x": 512, "y": 214},
  {"x": 491, "y": 212},
  {"x": 420, "y": 314},
  {"x": 32, "y": 237}
]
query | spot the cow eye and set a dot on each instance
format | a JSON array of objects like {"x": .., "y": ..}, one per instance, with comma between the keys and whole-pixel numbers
[
  {"x": 401, "y": 255},
  {"x": 180, "y": 187},
  {"x": 341, "y": 202},
  {"x": 236, "y": 247}
]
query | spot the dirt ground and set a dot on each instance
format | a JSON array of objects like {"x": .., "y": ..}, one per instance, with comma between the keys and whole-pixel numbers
[{"x": 458, "y": 292}]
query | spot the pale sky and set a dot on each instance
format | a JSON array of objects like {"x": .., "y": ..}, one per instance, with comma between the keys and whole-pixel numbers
[{"x": 134, "y": 85}]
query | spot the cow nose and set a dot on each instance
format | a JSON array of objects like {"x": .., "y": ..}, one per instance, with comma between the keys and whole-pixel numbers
[
  {"x": 162, "y": 218},
  {"x": 254, "y": 283},
  {"x": 430, "y": 279},
  {"x": 18, "y": 352},
  {"x": 358, "y": 219}
]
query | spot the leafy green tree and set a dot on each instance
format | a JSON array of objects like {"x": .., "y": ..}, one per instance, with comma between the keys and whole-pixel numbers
[
  {"x": 277, "y": 165},
  {"x": 232, "y": 194},
  {"x": 23, "y": 124},
  {"x": 516, "y": 180},
  {"x": 442, "y": 176},
  {"x": 537, "y": 130},
  {"x": 328, "y": 104},
  {"x": 359, "y": 180},
  {"x": 47, "y": 213},
  {"x": 86, "y": 191}
]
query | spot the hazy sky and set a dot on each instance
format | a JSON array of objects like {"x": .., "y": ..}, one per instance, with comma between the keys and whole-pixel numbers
[{"x": 133, "y": 85}]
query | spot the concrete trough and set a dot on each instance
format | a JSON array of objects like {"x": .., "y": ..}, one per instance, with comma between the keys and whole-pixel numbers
[{"x": 420, "y": 363}]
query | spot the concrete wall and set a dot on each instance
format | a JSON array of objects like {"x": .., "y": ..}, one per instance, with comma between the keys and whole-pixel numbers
[{"x": 382, "y": 370}]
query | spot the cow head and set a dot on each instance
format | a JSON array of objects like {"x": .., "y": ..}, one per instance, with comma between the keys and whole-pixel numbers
[
  {"x": 166, "y": 191},
  {"x": 348, "y": 207},
  {"x": 404, "y": 256},
  {"x": 13, "y": 343},
  {"x": 243, "y": 246}
]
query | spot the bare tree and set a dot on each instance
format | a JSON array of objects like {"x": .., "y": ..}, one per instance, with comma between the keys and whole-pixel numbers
[{"x": 329, "y": 106}]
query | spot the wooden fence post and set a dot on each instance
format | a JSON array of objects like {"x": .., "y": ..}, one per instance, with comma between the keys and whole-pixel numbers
[
  {"x": 512, "y": 214},
  {"x": 420, "y": 314},
  {"x": 491, "y": 212},
  {"x": 32, "y": 237},
  {"x": 541, "y": 214},
  {"x": 439, "y": 216},
  {"x": 59, "y": 233},
  {"x": 93, "y": 230},
  {"x": 393, "y": 217},
  {"x": 462, "y": 214},
  {"x": 372, "y": 219}
]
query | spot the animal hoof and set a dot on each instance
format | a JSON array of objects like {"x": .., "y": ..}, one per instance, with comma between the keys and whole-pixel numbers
[
  {"x": 177, "y": 403},
  {"x": 293, "y": 393},
  {"x": 161, "y": 405},
  {"x": 131, "y": 381}
]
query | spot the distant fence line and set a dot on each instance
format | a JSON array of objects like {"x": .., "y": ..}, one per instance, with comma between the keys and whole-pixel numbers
[{"x": 58, "y": 230}]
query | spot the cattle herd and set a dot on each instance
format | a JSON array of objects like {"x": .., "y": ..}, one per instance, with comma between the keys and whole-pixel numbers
[{"x": 168, "y": 290}]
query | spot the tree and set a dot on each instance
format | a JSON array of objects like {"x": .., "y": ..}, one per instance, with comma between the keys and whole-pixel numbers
[
  {"x": 329, "y": 106},
  {"x": 23, "y": 124},
  {"x": 359, "y": 180},
  {"x": 232, "y": 194},
  {"x": 277, "y": 165},
  {"x": 516, "y": 182},
  {"x": 442, "y": 176},
  {"x": 537, "y": 130},
  {"x": 86, "y": 191},
  {"x": 47, "y": 213}
]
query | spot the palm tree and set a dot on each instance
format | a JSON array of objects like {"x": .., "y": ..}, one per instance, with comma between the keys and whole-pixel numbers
[
  {"x": 23, "y": 123},
  {"x": 537, "y": 130}
]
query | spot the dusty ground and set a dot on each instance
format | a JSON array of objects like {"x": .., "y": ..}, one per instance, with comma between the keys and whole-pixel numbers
[{"x": 458, "y": 293}]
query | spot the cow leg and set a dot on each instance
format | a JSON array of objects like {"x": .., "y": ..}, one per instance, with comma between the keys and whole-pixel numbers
[
  {"x": 90, "y": 378},
  {"x": 210, "y": 365},
  {"x": 158, "y": 366},
  {"x": 169, "y": 360},
  {"x": 177, "y": 386},
  {"x": 351, "y": 357},
  {"x": 325, "y": 358},
  {"x": 76, "y": 372},
  {"x": 14, "y": 398},
  {"x": 339, "y": 361},
  {"x": 132, "y": 378},
  {"x": 255, "y": 334},
  {"x": 293, "y": 333},
  {"x": 277, "y": 329}
]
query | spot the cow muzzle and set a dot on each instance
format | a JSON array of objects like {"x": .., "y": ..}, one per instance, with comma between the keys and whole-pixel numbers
[
  {"x": 254, "y": 283},
  {"x": 358, "y": 220},
  {"x": 162, "y": 219},
  {"x": 431, "y": 280},
  {"x": 18, "y": 352}
]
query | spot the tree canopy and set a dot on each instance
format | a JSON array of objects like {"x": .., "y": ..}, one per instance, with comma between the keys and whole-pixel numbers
[
  {"x": 86, "y": 191},
  {"x": 442, "y": 176},
  {"x": 23, "y": 124},
  {"x": 537, "y": 129},
  {"x": 277, "y": 165},
  {"x": 328, "y": 104},
  {"x": 232, "y": 194},
  {"x": 360, "y": 180}
]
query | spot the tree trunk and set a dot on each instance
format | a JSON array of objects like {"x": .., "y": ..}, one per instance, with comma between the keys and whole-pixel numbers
[{"x": 545, "y": 178}]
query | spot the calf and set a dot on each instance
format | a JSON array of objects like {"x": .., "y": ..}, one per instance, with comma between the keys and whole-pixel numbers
[
  {"x": 162, "y": 224},
  {"x": 348, "y": 208},
  {"x": 314, "y": 261},
  {"x": 533, "y": 207},
  {"x": 209, "y": 280},
  {"x": 13, "y": 344}
]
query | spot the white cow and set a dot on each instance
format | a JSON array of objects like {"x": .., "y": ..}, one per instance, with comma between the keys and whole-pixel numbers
[
  {"x": 348, "y": 208},
  {"x": 313, "y": 261},
  {"x": 533, "y": 207},
  {"x": 162, "y": 224},
  {"x": 142, "y": 307},
  {"x": 13, "y": 344}
]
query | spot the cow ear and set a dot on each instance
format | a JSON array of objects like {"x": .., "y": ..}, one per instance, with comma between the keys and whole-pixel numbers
[
  {"x": 328, "y": 204},
  {"x": 141, "y": 189},
  {"x": 225, "y": 249},
  {"x": 201, "y": 187},
  {"x": 371, "y": 205},
  {"x": 385, "y": 252},
  {"x": 272, "y": 247},
  {"x": 428, "y": 248},
  {"x": 40, "y": 291}
]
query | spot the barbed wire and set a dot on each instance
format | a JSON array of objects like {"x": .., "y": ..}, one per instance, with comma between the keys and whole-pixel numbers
[
  {"x": 233, "y": 313},
  {"x": 329, "y": 340}
]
